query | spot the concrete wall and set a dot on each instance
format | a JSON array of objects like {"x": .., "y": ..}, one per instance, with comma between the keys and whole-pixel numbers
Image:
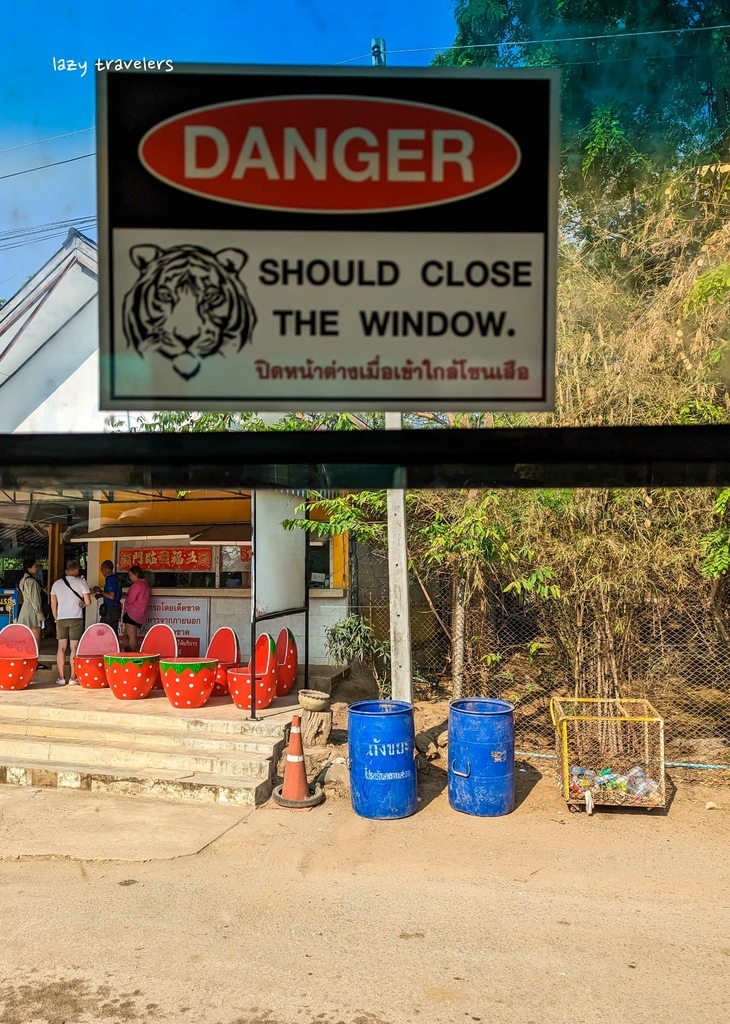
[
  {"x": 73, "y": 408},
  {"x": 325, "y": 608},
  {"x": 53, "y": 348}
]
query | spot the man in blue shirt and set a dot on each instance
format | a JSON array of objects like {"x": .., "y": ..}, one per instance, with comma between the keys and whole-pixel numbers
[{"x": 111, "y": 596}]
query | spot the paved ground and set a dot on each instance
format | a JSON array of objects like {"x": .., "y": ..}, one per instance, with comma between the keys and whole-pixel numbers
[
  {"x": 85, "y": 827},
  {"x": 541, "y": 917}
]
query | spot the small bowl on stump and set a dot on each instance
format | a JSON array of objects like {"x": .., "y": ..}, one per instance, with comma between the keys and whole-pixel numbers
[{"x": 314, "y": 700}]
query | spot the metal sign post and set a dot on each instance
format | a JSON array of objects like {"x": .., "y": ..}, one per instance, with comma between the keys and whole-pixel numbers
[{"x": 401, "y": 673}]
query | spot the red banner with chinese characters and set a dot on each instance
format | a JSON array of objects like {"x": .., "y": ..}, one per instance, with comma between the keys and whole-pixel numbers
[
  {"x": 246, "y": 553},
  {"x": 166, "y": 559}
]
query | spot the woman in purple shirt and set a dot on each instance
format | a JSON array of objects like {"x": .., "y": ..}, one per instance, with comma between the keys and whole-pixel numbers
[{"x": 135, "y": 606}]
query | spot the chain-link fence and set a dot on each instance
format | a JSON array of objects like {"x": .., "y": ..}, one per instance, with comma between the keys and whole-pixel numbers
[{"x": 673, "y": 652}]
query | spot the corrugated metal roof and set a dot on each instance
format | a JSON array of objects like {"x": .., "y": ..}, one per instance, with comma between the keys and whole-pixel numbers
[
  {"x": 305, "y": 493},
  {"x": 15, "y": 539}
]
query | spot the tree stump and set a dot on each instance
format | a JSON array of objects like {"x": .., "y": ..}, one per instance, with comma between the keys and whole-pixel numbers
[{"x": 316, "y": 728}]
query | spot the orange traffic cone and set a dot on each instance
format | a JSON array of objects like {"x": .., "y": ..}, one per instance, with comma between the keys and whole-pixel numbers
[
  {"x": 295, "y": 792},
  {"x": 295, "y": 774}
]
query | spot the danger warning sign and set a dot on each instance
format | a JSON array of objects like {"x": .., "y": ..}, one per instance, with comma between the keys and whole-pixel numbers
[{"x": 314, "y": 239}]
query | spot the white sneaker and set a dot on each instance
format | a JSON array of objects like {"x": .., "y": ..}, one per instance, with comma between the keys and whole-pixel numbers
[
  {"x": 60, "y": 681},
  {"x": 73, "y": 682}
]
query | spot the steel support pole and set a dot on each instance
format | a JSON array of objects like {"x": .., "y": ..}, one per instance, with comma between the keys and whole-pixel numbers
[
  {"x": 400, "y": 621},
  {"x": 253, "y": 604},
  {"x": 306, "y": 602}
]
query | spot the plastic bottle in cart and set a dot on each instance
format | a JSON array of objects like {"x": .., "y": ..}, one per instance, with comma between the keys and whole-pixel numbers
[
  {"x": 634, "y": 779},
  {"x": 646, "y": 788},
  {"x": 576, "y": 779}
]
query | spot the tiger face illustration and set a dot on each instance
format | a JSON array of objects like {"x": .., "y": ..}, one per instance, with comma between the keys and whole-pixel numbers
[{"x": 187, "y": 305}]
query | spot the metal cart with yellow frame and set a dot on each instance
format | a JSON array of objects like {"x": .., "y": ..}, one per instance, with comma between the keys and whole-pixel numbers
[{"x": 610, "y": 751}]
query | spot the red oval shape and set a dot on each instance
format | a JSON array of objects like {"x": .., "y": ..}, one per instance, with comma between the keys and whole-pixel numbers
[{"x": 329, "y": 154}]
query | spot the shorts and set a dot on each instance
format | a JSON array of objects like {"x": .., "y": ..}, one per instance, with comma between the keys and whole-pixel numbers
[
  {"x": 69, "y": 629},
  {"x": 130, "y": 621},
  {"x": 110, "y": 613}
]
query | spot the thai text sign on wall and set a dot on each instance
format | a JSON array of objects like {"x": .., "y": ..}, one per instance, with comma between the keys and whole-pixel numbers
[
  {"x": 188, "y": 619},
  {"x": 302, "y": 238}
]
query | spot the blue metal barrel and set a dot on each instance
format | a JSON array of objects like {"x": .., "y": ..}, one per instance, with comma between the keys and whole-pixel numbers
[
  {"x": 481, "y": 757},
  {"x": 381, "y": 739}
]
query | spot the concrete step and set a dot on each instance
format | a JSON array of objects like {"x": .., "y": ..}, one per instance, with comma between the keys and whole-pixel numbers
[
  {"x": 168, "y": 719},
  {"x": 166, "y": 785},
  {"x": 230, "y": 763},
  {"x": 131, "y": 734}
]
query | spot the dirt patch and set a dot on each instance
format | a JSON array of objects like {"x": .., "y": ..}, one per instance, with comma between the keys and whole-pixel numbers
[
  {"x": 267, "y": 1017},
  {"x": 359, "y": 685},
  {"x": 67, "y": 1001}
]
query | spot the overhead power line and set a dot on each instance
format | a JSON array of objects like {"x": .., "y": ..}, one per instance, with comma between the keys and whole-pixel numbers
[
  {"x": 19, "y": 237},
  {"x": 53, "y": 138},
  {"x": 543, "y": 42},
  {"x": 42, "y": 167},
  {"x": 431, "y": 49},
  {"x": 34, "y": 241},
  {"x": 20, "y": 232}
]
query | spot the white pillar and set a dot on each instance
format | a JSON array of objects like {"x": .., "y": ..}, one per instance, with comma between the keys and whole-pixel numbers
[{"x": 400, "y": 621}]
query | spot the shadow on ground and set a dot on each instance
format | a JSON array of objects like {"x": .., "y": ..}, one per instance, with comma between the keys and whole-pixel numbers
[{"x": 526, "y": 778}]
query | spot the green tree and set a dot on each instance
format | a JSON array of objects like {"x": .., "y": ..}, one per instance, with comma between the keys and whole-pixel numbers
[
  {"x": 645, "y": 95},
  {"x": 634, "y": 78},
  {"x": 470, "y": 539},
  {"x": 217, "y": 422}
]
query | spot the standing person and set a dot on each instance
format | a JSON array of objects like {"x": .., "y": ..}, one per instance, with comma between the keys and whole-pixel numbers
[
  {"x": 69, "y": 596},
  {"x": 135, "y": 606},
  {"x": 31, "y": 612},
  {"x": 110, "y": 595}
]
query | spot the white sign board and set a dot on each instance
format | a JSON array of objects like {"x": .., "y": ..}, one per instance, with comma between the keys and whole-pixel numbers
[
  {"x": 187, "y": 617},
  {"x": 292, "y": 238},
  {"x": 280, "y": 553}
]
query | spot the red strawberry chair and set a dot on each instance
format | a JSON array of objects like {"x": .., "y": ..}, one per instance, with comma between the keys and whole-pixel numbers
[
  {"x": 18, "y": 656},
  {"x": 224, "y": 648},
  {"x": 161, "y": 641},
  {"x": 286, "y": 662},
  {"x": 98, "y": 640},
  {"x": 131, "y": 676},
  {"x": 188, "y": 682},
  {"x": 239, "y": 679}
]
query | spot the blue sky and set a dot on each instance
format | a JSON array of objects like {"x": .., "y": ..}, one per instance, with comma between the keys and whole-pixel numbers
[{"x": 37, "y": 103}]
